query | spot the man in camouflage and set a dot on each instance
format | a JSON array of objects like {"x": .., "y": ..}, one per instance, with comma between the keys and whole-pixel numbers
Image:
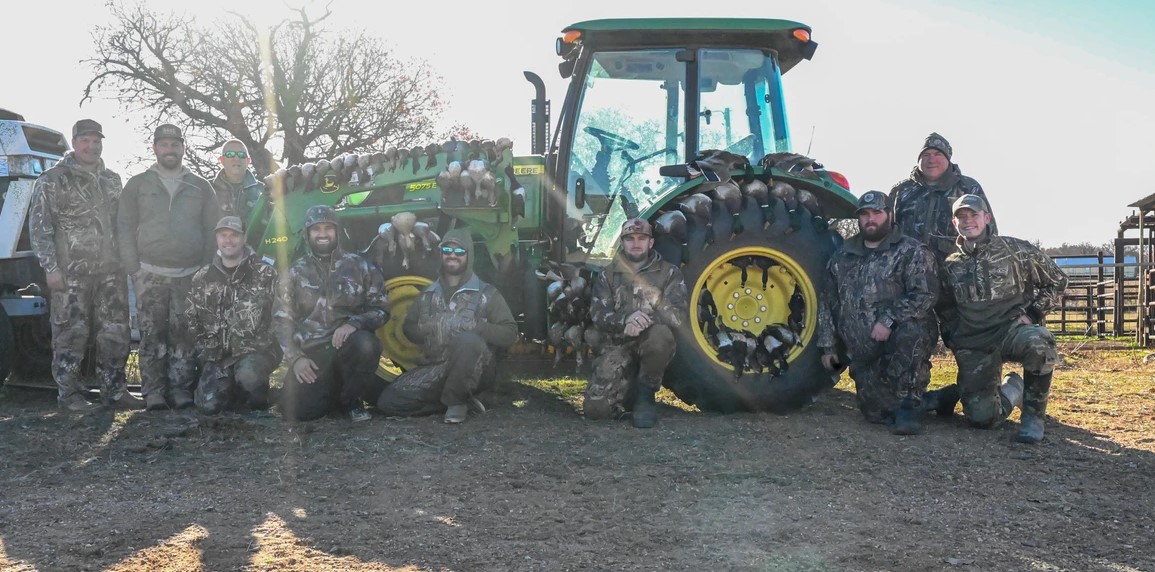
[
  {"x": 230, "y": 315},
  {"x": 997, "y": 294},
  {"x": 71, "y": 226},
  {"x": 458, "y": 321},
  {"x": 637, "y": 302},
  {"x": 236, "y": 187},
  {"x": 922, "y": 202},
  {"x": 876, "y": 312},
  {"x": 329, "y": 304}
]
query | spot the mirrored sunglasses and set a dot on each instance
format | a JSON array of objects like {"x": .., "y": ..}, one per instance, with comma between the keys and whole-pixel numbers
[
  {"x": 236, "y": 155},
  {"x": 456, "y": 250}
]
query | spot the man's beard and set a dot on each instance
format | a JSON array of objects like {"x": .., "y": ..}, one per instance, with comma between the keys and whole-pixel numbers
[
  {"x": 636, "y": 258},
  {"x": 459, "y": 271},
  {"x": 878, "y": 233},
  {"x": 323, "y": 249}
]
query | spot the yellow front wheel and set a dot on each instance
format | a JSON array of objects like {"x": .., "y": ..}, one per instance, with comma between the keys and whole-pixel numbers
[{"x": 399, "y": 353}]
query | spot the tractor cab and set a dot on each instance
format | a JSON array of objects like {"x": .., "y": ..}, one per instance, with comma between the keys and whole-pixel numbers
[{"x": 641, "y": 101}]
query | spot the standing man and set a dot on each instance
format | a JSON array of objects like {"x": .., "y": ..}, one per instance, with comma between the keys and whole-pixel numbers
[
  {"x": 71, "y": 225},
  {"x": 458, "y": 321},
  {"x": 329, "y": 304},
  {"x": 922, "y": 203},
  {"x": 165, "y": 231},
  {"x": 230, "y": 315},
  {"x": 997, "y": 294},
  {"x": 637, "y": 302},
  {"x": 236, "y": 188},
  {"x": 880, "y": 289}
]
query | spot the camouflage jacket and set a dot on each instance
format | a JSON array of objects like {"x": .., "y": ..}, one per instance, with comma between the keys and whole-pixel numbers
[
  {"x": 922, "y": 210},
  {"x": 174, "y": 231},
  {"x": 475, "y": 306},
  {"x": 72, "y": 220},
  {"x": 990, "y": 286},
  {"x": 318, "y": 294},
  {"x": 894, "y": 283},
  {"x": 237, "y": 200},
  {"x": 657, "y": 288},
  {"x": 230, "y": 311}
]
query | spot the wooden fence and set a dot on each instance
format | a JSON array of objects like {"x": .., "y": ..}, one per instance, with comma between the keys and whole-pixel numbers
[{"x": 1102, "y": 299}]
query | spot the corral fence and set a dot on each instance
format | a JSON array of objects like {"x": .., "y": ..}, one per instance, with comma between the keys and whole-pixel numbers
[{"x": 1103, "y": 297}]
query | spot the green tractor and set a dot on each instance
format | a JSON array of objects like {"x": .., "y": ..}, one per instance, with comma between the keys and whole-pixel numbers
[{"x": 680, "y": 121}]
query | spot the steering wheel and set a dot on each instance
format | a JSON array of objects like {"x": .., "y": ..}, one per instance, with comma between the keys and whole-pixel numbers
[{"x": 611, "y": 142}]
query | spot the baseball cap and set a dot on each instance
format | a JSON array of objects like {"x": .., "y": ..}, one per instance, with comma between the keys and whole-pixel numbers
[
  {"x": 167, "y": 131},
  {"x": 636, "y": 226},
  {"x": 231, "y": 223},
  {"x": 876, "y": 200},
  {"x": 86, "y": 126},
  {"x": 972, "y": 202}
]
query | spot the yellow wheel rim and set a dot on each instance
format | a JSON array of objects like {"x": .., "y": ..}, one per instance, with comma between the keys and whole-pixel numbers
[
  {"x": 750, "y": 306},
  {"x": 399, "y": 353}
]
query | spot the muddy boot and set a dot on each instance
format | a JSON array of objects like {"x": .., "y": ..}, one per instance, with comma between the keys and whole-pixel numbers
[
  {"x": 155, "y": 402},
  {"x": 76, "y": 403},
  {"x": 456, "y": 413},
  {"x": 125, "y": 400},
  {"x": 1011, "y": 392},
  {"x": 906, "y": 420},
  {"x": 1037, "y": 389},
  {"x": 645, "y": 413},
  {"x": 942, "y": 401}
]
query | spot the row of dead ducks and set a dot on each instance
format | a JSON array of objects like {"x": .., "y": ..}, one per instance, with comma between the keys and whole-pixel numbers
[
  {"x": 568, "y": 294},
  {"x": 360, "y": 169}
]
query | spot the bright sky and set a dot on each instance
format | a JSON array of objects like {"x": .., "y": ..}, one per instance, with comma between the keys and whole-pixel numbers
[{"x": 1047, "y": 103}]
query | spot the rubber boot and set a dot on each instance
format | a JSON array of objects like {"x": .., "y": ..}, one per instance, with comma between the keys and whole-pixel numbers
[
  {"x": 942, "y": 401},
  {"x": 1032, "y": 424},
  {"x": 645, "y": 413},
  {"x": 1011, "y": 392},
  {"x": 906, "y": 419}
]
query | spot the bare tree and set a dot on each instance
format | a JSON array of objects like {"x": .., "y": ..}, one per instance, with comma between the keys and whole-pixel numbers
[{"x": 296, "y": 93}]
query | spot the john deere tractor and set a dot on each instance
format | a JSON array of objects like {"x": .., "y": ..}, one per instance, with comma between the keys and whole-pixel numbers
[{"x": 680, "y": 121}]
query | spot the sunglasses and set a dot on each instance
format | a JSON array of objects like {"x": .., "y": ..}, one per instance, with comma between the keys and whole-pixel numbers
[
  {"x": 447, "y": 250},
  {"x": 236, "y": 155}
]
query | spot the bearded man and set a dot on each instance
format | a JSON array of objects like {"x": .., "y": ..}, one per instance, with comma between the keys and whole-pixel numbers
[{"x": 876, "y": 316}]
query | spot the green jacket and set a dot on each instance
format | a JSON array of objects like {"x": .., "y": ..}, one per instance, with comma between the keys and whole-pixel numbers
[
  {"x": 441, "y": 311},
  {"x": 174, "y": 231},
  {"x": 237, "y": 200},
  {"x": 989, "y": 287}
]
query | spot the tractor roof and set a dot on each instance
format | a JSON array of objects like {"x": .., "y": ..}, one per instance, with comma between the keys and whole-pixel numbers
[{"x": 777, "y": 35}]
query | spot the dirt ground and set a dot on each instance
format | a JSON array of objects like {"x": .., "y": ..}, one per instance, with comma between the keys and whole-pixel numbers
[{"x": 531, "y": 485}]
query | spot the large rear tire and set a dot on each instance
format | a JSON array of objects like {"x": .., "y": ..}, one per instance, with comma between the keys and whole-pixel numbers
[{"x": 797, "y": 250}]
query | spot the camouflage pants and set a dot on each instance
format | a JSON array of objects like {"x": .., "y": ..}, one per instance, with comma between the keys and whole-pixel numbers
[
  {"x": 900, "y": 372},
  {"x": 614, "y": 370},
  {"x": 345, "y": 377},
  {"x": 979, "y": 372},
  {"x": 166, "y": 347},
  {"x": 235, "y": 382},
  {"x": 90, "y": 308},
  {"x": 425, "y": 390}
]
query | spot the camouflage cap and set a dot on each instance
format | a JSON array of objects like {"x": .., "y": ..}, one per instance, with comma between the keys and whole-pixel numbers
[
  {"x": 876, "y": 200},
  {"x": 231, "y": 223},
  {"x": 167, "y": 131},
  {"x": 972, "y": 202},
  {"x": 936, "y": 141},
  {"x": 319, "y": 214},
  {"x": 636, "y": 226},
  {"x": 86, "y": 126}
]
